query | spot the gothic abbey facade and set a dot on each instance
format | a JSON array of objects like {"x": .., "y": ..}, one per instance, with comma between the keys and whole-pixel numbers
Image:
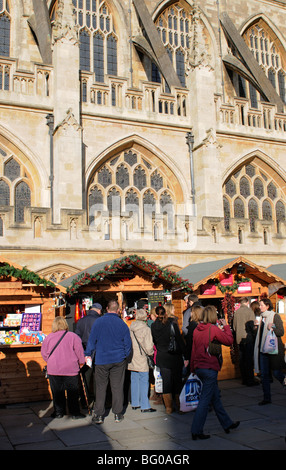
[{"x": 141, "y": 126}]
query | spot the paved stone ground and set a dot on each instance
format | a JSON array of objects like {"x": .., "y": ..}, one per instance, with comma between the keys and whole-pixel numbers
[{"x": 29, "y": 427}]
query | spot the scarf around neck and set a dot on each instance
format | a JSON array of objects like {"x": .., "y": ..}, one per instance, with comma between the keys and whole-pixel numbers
[{"x": 268, "y": 317}]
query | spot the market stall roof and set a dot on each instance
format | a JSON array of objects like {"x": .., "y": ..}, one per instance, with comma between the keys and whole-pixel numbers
[
  {"x": 278, "y": 270},
  {"x": 97, "y": 272},
  {"x": 200, "y": 273},
  {"x": 11, "y": 269}
]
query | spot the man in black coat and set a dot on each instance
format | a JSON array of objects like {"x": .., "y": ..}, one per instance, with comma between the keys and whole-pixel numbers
[{"x": 82, "y": 329}]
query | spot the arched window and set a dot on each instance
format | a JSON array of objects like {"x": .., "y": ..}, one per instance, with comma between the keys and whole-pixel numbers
[
  {"x": 22, "y": 200},
  {"x": 252, "y": 213},
  {"x": 238, "y": 208},
  {"x": 98, "y": 47},
  {"x": 226, "y": 209},
  {"x": 14, "y": 190},
  {"x": 280, "y": 214},
  {"x": 167, "y": 209},
  {"x": 266, "y": 210},
  {"x": 259, "y": 191},
  {"x": 4, "y": 194},
  {"x": 174, "y": 29},
  {"x": 135, "y": 188},
  {"x": 269, "y": 53},
  {"x": 4, "y": 28},
  {"x": 84, "y": 50},
  {"x": 95, "y": 201},
  {"x": 113, "y": 201},
  {"x": 139, "y": 177}
]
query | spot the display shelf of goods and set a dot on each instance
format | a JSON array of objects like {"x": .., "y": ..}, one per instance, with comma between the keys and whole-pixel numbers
[{"x": 21, "y": 328}]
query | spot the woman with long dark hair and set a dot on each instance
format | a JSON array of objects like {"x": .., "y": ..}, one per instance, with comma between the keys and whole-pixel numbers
[{"x": 170, "y": 364}]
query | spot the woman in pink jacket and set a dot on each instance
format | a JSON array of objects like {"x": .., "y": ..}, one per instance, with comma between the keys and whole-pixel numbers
[
  {"x": 206, "y": 367},
  {"x": 63, "y": 366}
]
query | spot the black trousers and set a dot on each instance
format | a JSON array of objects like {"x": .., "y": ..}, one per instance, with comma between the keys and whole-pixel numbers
[
  {"x": 246, "y": 362},
  {"x": 61, "y": 384},
  {"x": 172, "y": 380},
  {"x": 115, "y": 374}
]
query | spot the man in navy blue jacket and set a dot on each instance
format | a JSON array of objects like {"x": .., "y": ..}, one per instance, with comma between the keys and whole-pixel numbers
[
  {"x": 110, "y": 340},
  {"x": 83, "y": 329}
]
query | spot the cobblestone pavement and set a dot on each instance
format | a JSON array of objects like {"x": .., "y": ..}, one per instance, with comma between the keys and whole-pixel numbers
[{"x": 29, "y": 427}]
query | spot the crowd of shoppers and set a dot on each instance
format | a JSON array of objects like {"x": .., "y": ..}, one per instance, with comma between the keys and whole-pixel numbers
[{"x": 104, "y": 346}]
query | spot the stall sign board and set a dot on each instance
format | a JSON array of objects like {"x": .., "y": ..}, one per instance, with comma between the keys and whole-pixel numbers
[
  {"x": 227, "y": 281},
  {"x": 244, "y": 288},
  {"x": 155, "y": 298},
  {"x": 32, "y": 321},
  {"x": 208, "y": 289}
]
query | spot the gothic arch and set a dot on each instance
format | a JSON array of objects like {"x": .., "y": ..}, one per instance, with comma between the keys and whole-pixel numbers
[
  {"x": 266, "y": 161},
  {"x": 261, "y": 16},
  {"x": 214, "y": 52},
  {"x": 58, "y": 272},
  {"x": 152, "y": 153},
  {"x": 36, "y": 174},
  {"x": 244, "y": 197}
]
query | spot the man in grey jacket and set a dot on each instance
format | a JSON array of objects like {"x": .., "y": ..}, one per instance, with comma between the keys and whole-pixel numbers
[{"x": 243, "y": 325}]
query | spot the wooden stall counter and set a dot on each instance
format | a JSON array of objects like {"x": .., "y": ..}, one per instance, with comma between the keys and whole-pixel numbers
[{"x": 27, "y": 311}]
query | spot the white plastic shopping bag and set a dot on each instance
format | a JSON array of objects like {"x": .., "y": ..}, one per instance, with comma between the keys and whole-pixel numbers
[
  {"x": 190, "y": 394},
  {"x": 271, "y": 343},
  {"x": 158, "y": 380}
]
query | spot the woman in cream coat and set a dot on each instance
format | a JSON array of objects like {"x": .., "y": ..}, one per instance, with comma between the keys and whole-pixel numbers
[{"x": 141, "y": 341}]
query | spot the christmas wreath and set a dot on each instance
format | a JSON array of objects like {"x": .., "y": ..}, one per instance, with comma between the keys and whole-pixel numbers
[
  {"x": 148, "y": 266},
  {"x": 231, "y": 288}
]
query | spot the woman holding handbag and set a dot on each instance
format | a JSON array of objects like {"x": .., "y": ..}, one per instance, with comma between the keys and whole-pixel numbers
[
  {"x": 165, "y": 333},
  {"x": 265, "y": 362},
  {"x": 142, "y": 346},
  {"x": 64, "y": 354},
  {"x": 206, "y": 363}
]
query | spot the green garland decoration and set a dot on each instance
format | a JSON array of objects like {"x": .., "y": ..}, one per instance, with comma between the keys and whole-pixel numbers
[
  {"x": 6, "y": 270},
  {"x": 233, "y": 287},
  {"x": 149, "y": 266}
]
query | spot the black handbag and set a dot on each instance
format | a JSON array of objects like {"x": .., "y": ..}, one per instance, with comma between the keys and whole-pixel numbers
[
  {"x": 214, "y": 346},
  {"x": 45, "y": 367},
  {"x": 150, "y": 359},
  {"x": 173, "y": 347}
]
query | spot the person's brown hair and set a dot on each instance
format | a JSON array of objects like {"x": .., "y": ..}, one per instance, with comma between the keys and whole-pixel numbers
[
  {"x": 161, "y": 314},
  {"x": 256, "y": 308},
  {"x": 210, "y": 314},
  {"x": 197, "y": 313}
]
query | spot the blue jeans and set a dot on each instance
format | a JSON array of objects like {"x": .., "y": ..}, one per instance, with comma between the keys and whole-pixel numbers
[
  {"x": 266, "y": 374},
  {"x": 210, "y": 395},
  {"x": 140, "y": 389}
]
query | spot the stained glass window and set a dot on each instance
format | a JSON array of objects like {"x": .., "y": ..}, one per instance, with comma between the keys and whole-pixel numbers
[
  {"x": 252, "y": 213},
  {"x": 98, "y": 41},
  {"x": 280, "y": 214},
  {"x": 104, "y": 177},
  {"x": 4, "y": 34},
  {"x": 122, "y": 177},
  {"x": 140, "y": 180},
  {"x": 130, "y": 173},
  {"x": 4, "y": 194},
  {"x": 239, "y": 209},
  {"x": 22, "y": 200},
  {"x": 12, "y": 169},
  {"x": 258, "y": 189},
  {"x": 267, "y": 50},
  {"x": 226, "y": 209}
]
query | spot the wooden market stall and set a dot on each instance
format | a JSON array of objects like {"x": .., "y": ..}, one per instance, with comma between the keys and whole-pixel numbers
[
  {"x": 28, "y": 306},
  {"x": 222, "y": 283},
  {"x": 128, "y": 280}
]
